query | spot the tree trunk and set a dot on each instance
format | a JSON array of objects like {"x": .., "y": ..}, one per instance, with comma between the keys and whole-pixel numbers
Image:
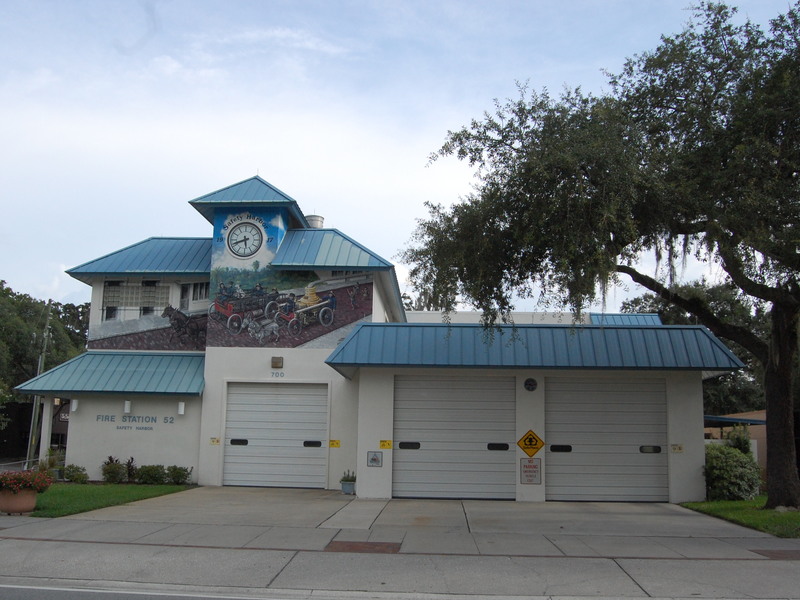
[{"x": 783, "y": 484}]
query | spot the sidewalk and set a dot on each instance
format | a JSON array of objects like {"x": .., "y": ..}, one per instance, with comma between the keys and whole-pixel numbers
[{"x": 282, "y": 543}]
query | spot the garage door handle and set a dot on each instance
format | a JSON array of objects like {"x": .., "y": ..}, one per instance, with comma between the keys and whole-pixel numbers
[
  {"x": 560, "y": 448},
  {"x": 408, "y": 445},
  {"x": 312, "y": 444},
  {"x": 500, "y": 447},
  {"x": 238, "y": 442},
  {"x": 650, "y": 449}
]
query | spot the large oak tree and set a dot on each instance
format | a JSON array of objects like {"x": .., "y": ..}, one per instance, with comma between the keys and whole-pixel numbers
[{"x": 695, "y": 151}]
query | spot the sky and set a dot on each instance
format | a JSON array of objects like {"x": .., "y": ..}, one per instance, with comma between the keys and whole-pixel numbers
[{"x": 114, "y": 114}]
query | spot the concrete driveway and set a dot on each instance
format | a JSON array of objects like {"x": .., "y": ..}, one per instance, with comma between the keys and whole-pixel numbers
[{"x": 315, "y": 541}]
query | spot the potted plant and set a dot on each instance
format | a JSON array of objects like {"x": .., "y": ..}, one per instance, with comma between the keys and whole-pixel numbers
[
  {"x": 348, "y": 482},
  {"x": 18, "y": 489}
]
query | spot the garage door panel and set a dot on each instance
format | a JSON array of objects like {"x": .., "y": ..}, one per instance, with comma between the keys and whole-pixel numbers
[
  {"x": 605, "y": 423},
  {"x": 494, "y": 434},
  {"x": 450, "y": 458},
  {"x": 276, "y": 420},
  {"x": 453, "y": 419},
  {"x": 609, "y": 494}
]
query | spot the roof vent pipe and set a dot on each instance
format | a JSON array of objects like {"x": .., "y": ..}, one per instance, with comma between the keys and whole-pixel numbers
[{"x": 315, "y": 221}]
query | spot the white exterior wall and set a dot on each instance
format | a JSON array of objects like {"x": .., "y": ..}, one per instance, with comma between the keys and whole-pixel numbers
[
  {"x": 153, "y": 433},
  {"x": 684, "y": 424},
  {"x": 252, "y": 365},
  {"x": 375, "y": 424},
  {"x": 686, "y": 443}
]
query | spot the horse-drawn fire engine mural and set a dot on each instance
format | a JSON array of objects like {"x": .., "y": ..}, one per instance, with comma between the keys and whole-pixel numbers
[{"x": 288, "y": 318}]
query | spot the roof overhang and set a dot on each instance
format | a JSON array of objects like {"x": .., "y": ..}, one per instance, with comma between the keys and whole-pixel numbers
[
  {"x": 586, "y": 347},
  {"x": 106, "y": 372},
  {"x": 722, "y": 421}
]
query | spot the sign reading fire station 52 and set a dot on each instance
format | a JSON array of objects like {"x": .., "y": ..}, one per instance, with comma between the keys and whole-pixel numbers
[{"x": 530, "y": 443}]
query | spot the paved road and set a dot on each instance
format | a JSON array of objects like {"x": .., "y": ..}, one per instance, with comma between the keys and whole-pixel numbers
[{"x": 275, "y": 543}]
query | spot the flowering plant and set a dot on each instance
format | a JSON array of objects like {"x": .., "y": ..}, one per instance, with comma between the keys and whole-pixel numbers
[{"x": 15, "y": 481}]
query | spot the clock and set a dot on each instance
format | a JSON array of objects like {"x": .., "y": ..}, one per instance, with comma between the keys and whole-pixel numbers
[{"x": 244, "y": 239}]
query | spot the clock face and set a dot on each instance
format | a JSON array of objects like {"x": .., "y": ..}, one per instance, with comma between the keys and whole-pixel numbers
[{"x": 245, "y": 239}]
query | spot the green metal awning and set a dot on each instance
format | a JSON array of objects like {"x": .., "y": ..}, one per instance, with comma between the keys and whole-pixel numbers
[{"x": 172, "y": 373}]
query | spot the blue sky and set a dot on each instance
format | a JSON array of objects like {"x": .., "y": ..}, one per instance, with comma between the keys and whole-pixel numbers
[{"x": 116, "y": 113}]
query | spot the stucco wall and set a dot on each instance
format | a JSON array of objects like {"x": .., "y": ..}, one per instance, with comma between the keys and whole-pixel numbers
[
  {"x": 153, "y": 433},
  {"x": 684, "y": 427},
  {"x": 231, "y": 365}
]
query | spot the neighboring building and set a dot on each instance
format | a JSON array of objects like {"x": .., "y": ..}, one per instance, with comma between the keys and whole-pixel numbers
[
  {"x": 277, "y": 353},
  {"x": 717, "y": 428}
]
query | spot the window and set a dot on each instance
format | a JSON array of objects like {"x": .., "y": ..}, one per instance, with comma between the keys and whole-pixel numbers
[
  {"x": 112, "y": 298},
  {"x": 148, "y": 297},
  {"x": 200, "y": 291},
  {"x": 345, "y": 273},
  {"x": 186, "y": 289},
  {"x": 134, "y": 299}
]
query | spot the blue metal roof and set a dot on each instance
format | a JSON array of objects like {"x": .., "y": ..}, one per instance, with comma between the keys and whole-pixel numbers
[
  {"x": 252, "y": 192},
  {"x": 722, "y": 421},
  {"x": 325, "y": 249},
  {"x": 532, "y": 346},
  {"x": 625, "y": 319},
  {"x": 153, "y": 256},
  {"x": 122, "y": 372}
]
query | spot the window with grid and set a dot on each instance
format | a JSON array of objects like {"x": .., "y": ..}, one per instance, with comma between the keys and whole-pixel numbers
[{"x": 200, "y": 291}]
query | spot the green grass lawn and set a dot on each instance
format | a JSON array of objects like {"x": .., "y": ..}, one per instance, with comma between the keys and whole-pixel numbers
[
  {"x": 63, "y": 499},
  {"x": 751, "y": 513}
]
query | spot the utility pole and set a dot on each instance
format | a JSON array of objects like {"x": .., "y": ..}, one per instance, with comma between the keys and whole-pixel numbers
[{"x": 33, "y": 437}]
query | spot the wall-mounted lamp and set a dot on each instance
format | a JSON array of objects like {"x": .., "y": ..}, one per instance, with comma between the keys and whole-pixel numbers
[
  {"x": 73, "y": 405},
  {"x": 126, "y": 407},
  {"x": 276, "y": 362},
  {"x": 56, "y": 401},
  {"x": 181, "y": 407}
]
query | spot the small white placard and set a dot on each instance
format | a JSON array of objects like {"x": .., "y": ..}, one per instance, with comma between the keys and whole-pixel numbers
[{"x": 530, "y": 471}]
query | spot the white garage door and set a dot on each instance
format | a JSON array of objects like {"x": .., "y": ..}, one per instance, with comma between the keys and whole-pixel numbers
[
  {"x": 276, "y": 435},
  {"x": 606, "y": 440},
  {"x": 454, "y": 437}
]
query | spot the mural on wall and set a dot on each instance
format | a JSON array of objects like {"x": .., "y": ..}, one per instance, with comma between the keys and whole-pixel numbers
[
  {"x": 257, "y": 305},
  {"x": 139, "y": 323},
  {"x": 246, "y": 303}
]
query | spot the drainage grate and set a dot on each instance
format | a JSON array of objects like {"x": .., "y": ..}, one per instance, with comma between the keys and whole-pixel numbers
[{"x": 366, "y": 547}]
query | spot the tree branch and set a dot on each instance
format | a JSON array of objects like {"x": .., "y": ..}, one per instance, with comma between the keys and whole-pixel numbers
[{"x": 741, "y": 335}]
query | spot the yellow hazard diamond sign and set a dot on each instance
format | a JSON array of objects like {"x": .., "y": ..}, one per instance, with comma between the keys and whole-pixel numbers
[{"x": 530, "y": 443}]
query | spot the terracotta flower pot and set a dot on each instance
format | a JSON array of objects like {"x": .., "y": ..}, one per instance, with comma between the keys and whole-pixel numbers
[{"x": 22, "y": 502}]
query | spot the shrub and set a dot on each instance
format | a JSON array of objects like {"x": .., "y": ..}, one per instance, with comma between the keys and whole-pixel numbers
[
  {"x": 75, "y": 474},
  {"x": 151, "y": 474},
  {"x": 113, "y": 472},
  {"x": 730, "y": 474},
  {"x": 130, "y": 470},
  {"x": 739, "y": 438},
  {"x": 179, "y": 475}
]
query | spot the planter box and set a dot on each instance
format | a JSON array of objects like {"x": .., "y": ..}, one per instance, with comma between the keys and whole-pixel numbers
[{"x": 22, "y": 502}]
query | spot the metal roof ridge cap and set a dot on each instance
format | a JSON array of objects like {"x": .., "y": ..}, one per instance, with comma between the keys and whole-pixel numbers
[{"x": 256, "y": 177}]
